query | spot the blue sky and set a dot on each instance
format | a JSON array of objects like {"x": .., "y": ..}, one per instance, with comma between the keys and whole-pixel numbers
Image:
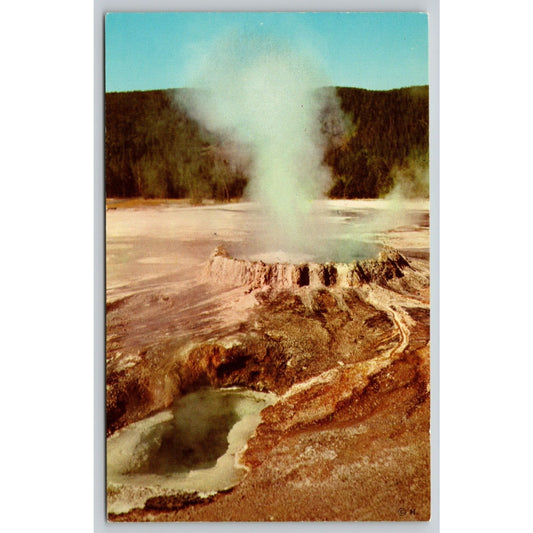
[{"x": 371, "y": 50}]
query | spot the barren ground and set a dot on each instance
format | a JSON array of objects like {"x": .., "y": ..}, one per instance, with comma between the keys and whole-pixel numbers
[{"x": 346, "y": 436}]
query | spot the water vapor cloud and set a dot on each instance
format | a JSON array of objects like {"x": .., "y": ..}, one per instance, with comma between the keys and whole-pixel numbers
[{"x": 268, "y": 99}]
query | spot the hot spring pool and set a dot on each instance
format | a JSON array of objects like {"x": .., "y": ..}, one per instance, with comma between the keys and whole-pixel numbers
[{"x": 193, "y": 447}]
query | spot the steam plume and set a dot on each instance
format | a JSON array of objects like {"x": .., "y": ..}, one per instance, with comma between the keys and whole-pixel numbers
[{"x": 268, "y": 99}]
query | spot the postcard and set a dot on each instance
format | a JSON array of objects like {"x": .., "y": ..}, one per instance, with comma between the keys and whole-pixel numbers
[{"x": 267, "y": 267}]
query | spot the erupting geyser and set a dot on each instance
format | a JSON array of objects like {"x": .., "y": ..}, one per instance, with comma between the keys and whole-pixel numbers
[{"x": 269, "y": 102}]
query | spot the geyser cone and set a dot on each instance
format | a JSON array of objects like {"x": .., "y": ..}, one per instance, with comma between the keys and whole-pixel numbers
[{"x": 224, "y": 269}]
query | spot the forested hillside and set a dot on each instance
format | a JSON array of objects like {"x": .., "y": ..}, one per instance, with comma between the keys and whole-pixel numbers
[
  {"x": 388, "y": 139},
  {"x": 153, "y": 149}
]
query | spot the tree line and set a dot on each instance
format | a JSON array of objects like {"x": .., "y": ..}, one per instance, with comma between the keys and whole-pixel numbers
[{"x": 153, "y": 149}]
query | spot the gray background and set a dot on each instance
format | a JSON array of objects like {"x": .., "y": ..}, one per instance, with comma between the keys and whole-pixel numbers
[{"x": 100, "y": 8}]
